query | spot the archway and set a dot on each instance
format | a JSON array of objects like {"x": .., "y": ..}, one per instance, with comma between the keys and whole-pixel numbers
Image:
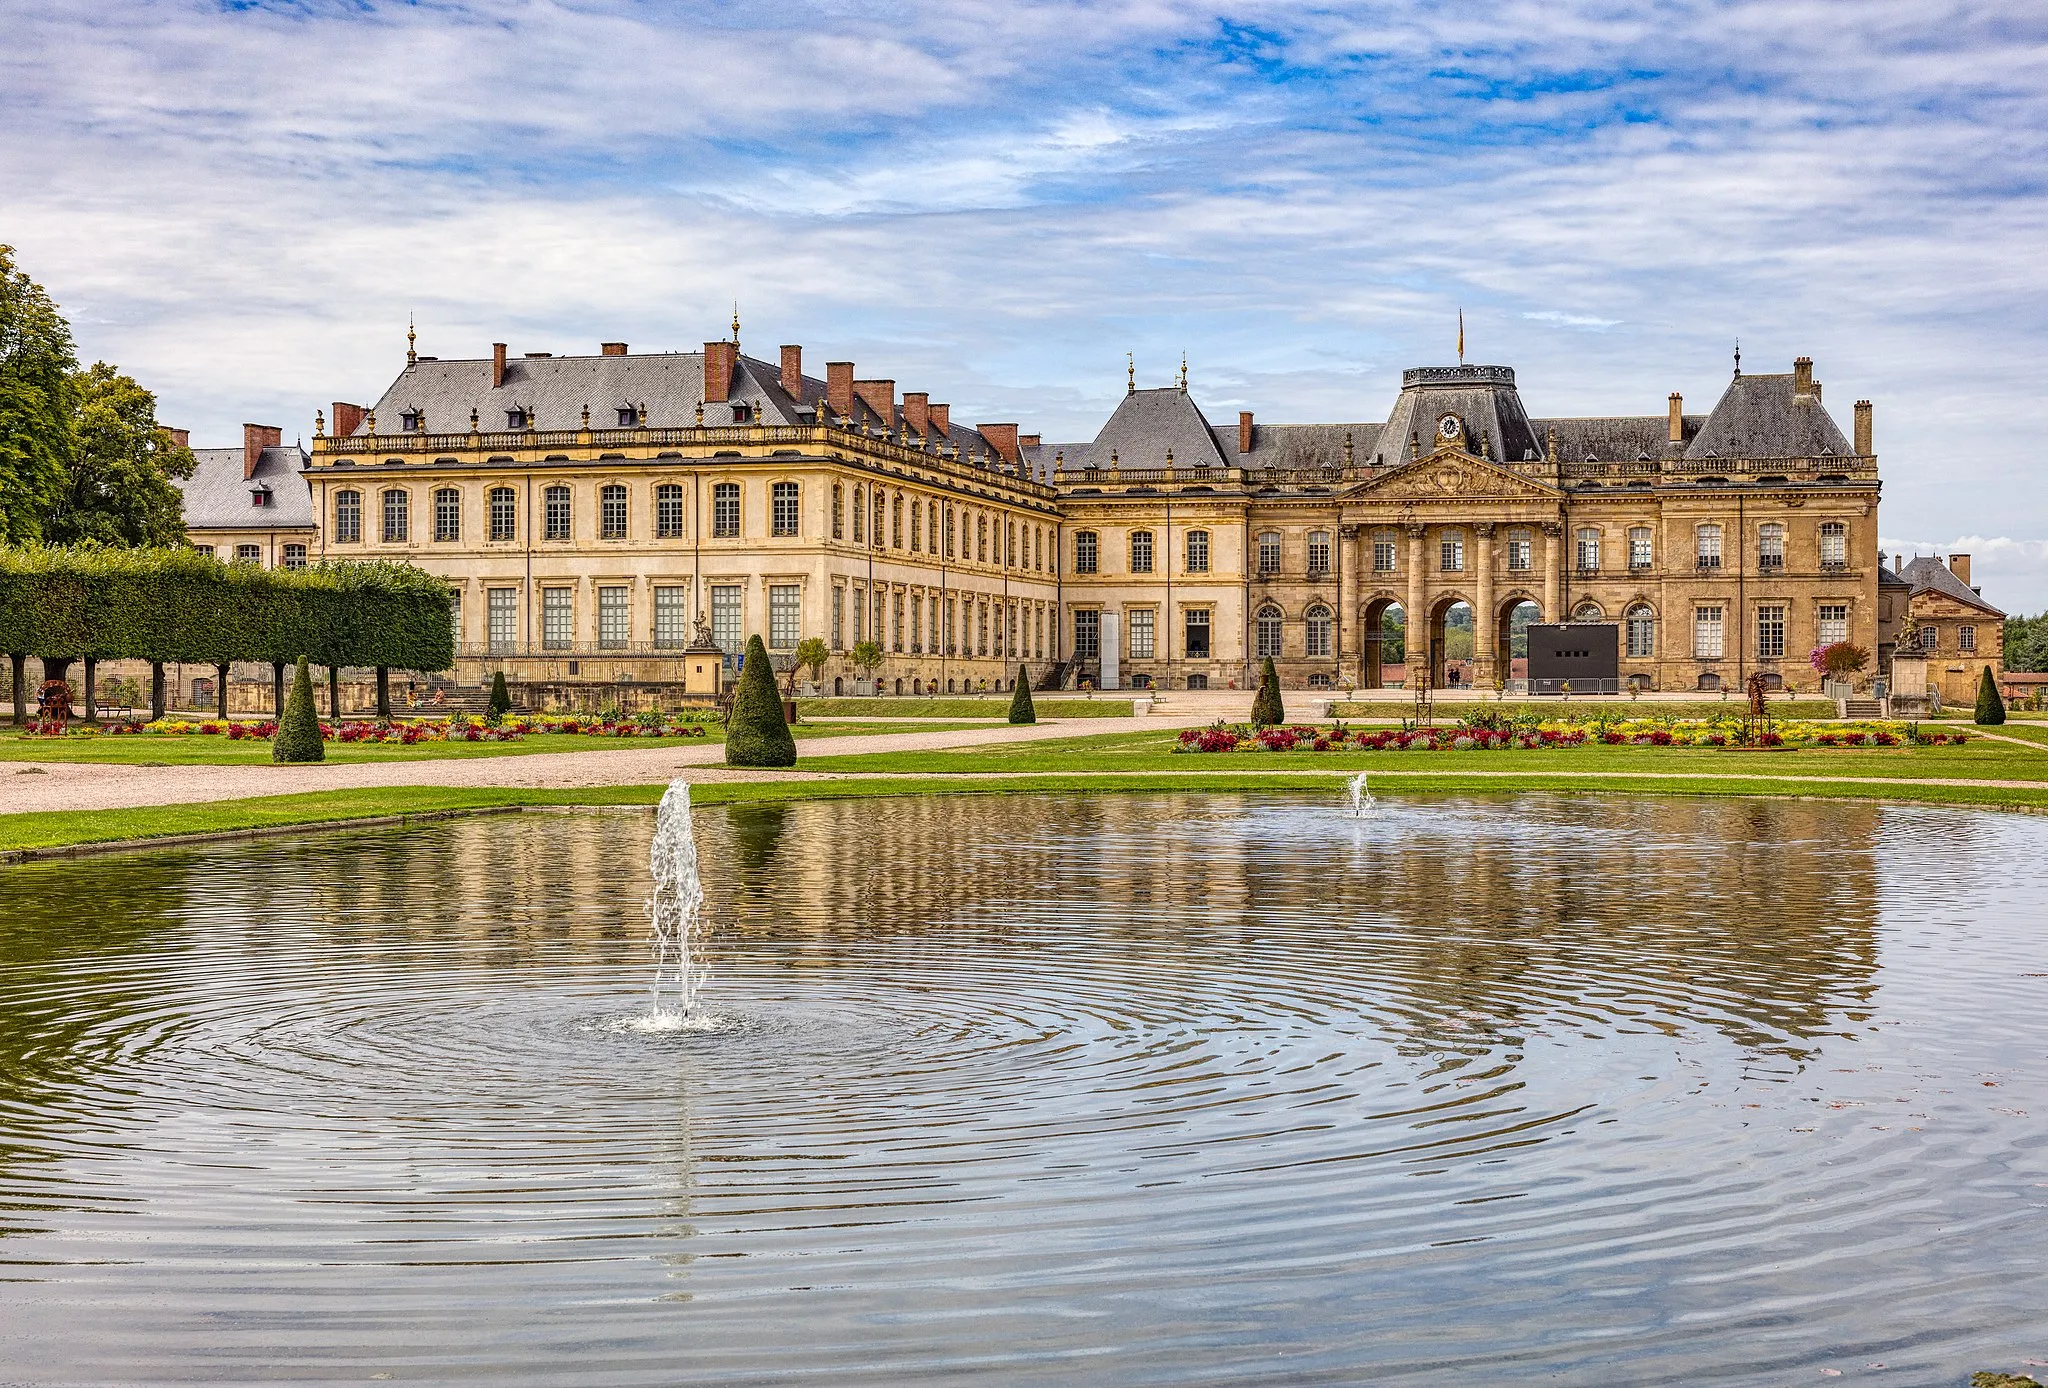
[
  {"x": 1383, "y": 632},
  {"x": 1450, "y": 643},
  {"x": 1511, "y": 633}
]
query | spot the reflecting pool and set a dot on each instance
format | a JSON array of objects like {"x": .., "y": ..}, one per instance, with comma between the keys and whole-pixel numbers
[{"x": 1173, "y": 1089}]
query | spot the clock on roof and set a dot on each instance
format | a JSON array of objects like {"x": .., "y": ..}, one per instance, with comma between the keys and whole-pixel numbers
[{"x": 1448, "y": 428}]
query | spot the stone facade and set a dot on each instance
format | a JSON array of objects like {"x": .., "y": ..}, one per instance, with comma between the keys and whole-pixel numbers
[{"x": 1953, "y": 626}]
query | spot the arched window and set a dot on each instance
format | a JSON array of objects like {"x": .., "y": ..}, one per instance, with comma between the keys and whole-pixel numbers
[
  {"x": 1707, "y": 546},
  {"x": 981, "y": 540},
  {"x": 555, "y": 513},
  {"x": 504, "y": 508},
  {"x": 1141, "y": 551},
  {"x": 1266, "y": 632},
  {"x": 611, "y": 511},
  {"x": 881, "y": 512},
  {"x": 1770, "y": 546},
  {"x": 1641, "y": 623},
  {"x": 949, "y": 531},
  {"x": 447, "y": 515},
  {"x": 932, "y": 528},
  {"x": 1589, "y": 549},
  {"x": 838, "y": 511},
  {"x": 1588, "y": 611},
  {"x": 1084, "y": 552},
  {"x": 1318, "y": 553},
  {"x": 396, "y": 522},
  {"x": 896, "y": 522},
  {"x": 1318, "y": 630},
  {"x": 860, "y": 528},
  {"x": 348, "y": 517},
  {"x": 1269, "y": 553},
  {"x": 916, "y": 524},
  {"x": 1198, "y": 555}
]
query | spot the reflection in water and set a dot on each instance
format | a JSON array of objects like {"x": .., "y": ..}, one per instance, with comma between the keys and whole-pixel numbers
[{"x": 1145, "y": 1089}]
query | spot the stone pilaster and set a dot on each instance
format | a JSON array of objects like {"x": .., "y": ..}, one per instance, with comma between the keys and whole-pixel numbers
[
  {"x": 1553, "y": 571},
  {"x": 1483, "y": 653},
  {"x": 1347, "y": 604},
  {"x": 1417, "y": 632}
]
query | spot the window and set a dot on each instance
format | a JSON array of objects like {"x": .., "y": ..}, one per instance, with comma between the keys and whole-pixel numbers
[
  {"x": 838, "y": 619},
  {"x": 1641, "y": 623},
  {"x": 1520, "y": 550},
  {"x": 1588, "y": 550},
  {"x": 348, "y": 517},
  {"x": 1318, "y": 553},
  {"x": 952, "y": 618},
  {"x": 1266, "y": 632},
  {"x": 502, "y": 605},
  {"x": 949, "y": 532},
  {"x": 726, "y": 629},
  {"x": 614, "y": 618},
  {"x": 1383, "y": 550},
  {"x": 557, "y": 618},
  {"x": 1639, "y": 551},
  {"x": 981, "y": 539},
  {"x": 1009, "y": 544},
  {"x": 1084, "y": 552},
  {"x": 838, "y": 512},
  {"x": 668, "y": 511},
  {"x": 981, "y": 629},
  {"x": 860, "y": 616},
  {"x": 1930, "y": 638},
  {"x": 1087, "y": 635},
  {"x": 1966, "y": 638},
  {"x": 1141, "y": 551},
  {"x": 1198, "y": 553},
  {"x": 896, "y": 606},
  {"x": 396, "y": 530},
  {"x": 253, "y": 554},
  {"x": 896, "y": 523},
  {"x": 916, "y": 618},
  {"x": 447, "y": 515},
  {"x": 1588, "y": 611},
  {"x": 611, "y": 511},
  {"x": 555, "y": 514},
  {"x": 1706, "y": 632},
  {"x": 628, "y": 416},
  {"x": 1269, "y": 553},
  {"x": 1319, "y": 630},
  {"x": 1142, "y": 637},
  {"x": 1831, "y": 622},
  {"x": 1770, "y": 632},
  {"x": 880, "y": 509},
  {"x": 1834, "y": 545},
  {"x": 1451, "y": 551},
  {"x": 504, "y": 507},
  {"x": 785, "y": 615},
  {"x": 455, "y": 617},
  {"x": 1707, "y": 546},
  {"x": 725, "y": 510},
  {"x": 516, "y": 419},
  {"x": 295, "y": 556},
  {"x": 672, "y": 618},
  {"x": 782, "y": 508},
  {"x": 409, "y": 421},
  {"x": 859, "y": 517},
  {"x": 931, "y": 534},
  {"x": 1197, "y": 647},
  {"x": 1770, "y": 546},
  {"x": 916, "y": 524}
]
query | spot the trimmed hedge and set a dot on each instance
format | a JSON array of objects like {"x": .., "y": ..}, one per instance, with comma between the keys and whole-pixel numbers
[
  {"x": 1267, "y": 710},
  {"x": 179, "y": 605},
  {"x": 1990, "y": 704},
  {"x": 755, "y": 733},
  {"x": 298, "y": 732},
  {"x": 1021, "y": 709}
]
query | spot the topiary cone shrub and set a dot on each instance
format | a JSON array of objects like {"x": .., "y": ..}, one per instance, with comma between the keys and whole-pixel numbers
[
  {"x": 501, "y": 697},
  {"x": 755, "y": 735},
  {"x": 1990, "y": 707},
  {"x": 1021, "y": 709},
  {"x": 1267, "y": 711},
  {"x": 298, "y": 731}
]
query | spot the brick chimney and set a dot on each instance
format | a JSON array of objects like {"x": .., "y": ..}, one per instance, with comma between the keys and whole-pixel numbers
[
  {"x": 1030, "y": 440},
  {"x": 612, "y": 349},
  {"x": 793, "y": 372},
  {"x": 1802, "y": 377},
  {"x": 720, "y": 359},
  {"x": 1676, "y": 404},
  {"x": 345, "y": 420},
  {"x": 839, "y": 386},
  {"x": 917, "y": 411},
  {"x": 1003, "y": 438},
  {"x": 1244, "y": 431},
  {"x": 181, "y": 437},
  {"x": 879, "y": 396},
  {"x": 257, "y": 437},
  {"x": 1863, "y": 428},
  {"x": 497, "y": 366},
  {"x": 942, "y": 418},
  {"x": 1959, "y": 565}
]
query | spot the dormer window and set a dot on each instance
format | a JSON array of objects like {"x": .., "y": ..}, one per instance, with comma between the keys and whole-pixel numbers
[
  {"x": 628, "y": 416},
  {"x": 741, "y": 412},
  {"x": 515, "y": 419},
  {"x": 259, "y": 496},
  {"x": 409, "y": 421}
]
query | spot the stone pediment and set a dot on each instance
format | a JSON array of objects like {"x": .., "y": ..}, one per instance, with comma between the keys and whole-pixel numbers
[{"x": 1452, "y": 476}]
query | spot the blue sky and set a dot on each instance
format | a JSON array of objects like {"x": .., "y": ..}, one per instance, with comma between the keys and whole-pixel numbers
[{"x": 240, "y": 203}]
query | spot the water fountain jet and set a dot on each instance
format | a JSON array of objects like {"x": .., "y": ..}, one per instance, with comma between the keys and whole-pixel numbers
[
  {"x": 673, "y": 913},
  {"x": 1358, "y": 798}
]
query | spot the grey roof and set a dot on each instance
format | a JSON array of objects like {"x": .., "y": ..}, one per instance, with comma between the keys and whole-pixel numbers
[
  {"x": 1616, "y": 438},
  {"x": 217, "y": 497},
  {"x": 1484, "y": 399},
  {"x": 1299, "y": 445},
  {"x": 1927, "y": 572},
  {"x": 1145, "y": 426},
  {"x": 1762, "y": 417}
]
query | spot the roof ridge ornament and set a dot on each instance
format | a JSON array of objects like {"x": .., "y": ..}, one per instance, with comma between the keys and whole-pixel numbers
[
  {"x": 1130, "y": 374},
  {"x": 412, "y": 357},
  {"x": 1183, "y": 373},
  {"x": 1738, "y": 358}
]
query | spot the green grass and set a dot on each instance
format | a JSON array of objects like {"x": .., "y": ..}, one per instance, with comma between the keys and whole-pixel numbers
[
  {"x": 1583, "y": 709},
  {"x": 913, "y": 706}
]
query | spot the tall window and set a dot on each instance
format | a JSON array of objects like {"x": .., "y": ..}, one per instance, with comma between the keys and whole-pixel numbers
[
  {"x": 1639, "y": 550},
  {"x": 981, "y": 539},
  {"x": 1770, "y": 546},
  {"x": 1197, "y": 632},
  {"x": 1269, "y": 553},
  {"x": 1384, "y": 549},
  {"x": 726, "y": 627},
  {"x": 931, "y": 531},
  {"x": 1831, "y": 622},
  {"x": 838, "y": 619},
  {"x": 896, "y": 607},
  {"x": 1084, "y": 552},
  {"x": 949, "y": 532},
  {"x": 1641, "y": 624},
  {"x": 1452, "y": 551},
  {"x": 916, "y": 620},
  {"x": 671, "y": 617},
  {"x": 1141, "y": 551},
  {"x": 1009, "y": 544},
  {"x": 1318, "y": 553},
  {"x": 668, "y": 511},
  {"x": 555, "y": 513},
  {"x": 1589, "y": 549},
  {"x": 783, "y": 509},
  {"x": 881, "y": 508},
  {"x": 614, "y": 617},
  {"x": 557, "y": 618},
  {"x": 1266, "y": 632},
  {"x": 502, "y": 610},
  {"x": 1706, "y": 631},
  {"x": 348, "y": 517},
  {"x": 1834, "y": 545},
  {"x": 1319, "y": 630},
  {"x": 504, "y": 508},
  {"x": 860, "y": 512},
  {"x": 1520, "y": 551},
  {"x": 1770, "y": 632},
  {"x": 455, "y": 616},
  {"x": 860, "y": 616},
  {"x": 1930, "y": 637},
  {"x": 838, "y": 511},
  {"x": 611, "y": 511},
  {"x": 725, "y": 510},
  {"x": 896, "y": 523},
  {"x": 1142, "y": 634},
  {"x": 395, "y": 519},
  {"x": 952, "y": 618},
  {"x": 1966, "y": 637},
  {"x": 916, "y": 525},
  {"x": 1707, "y": 546},
  {"x": 447, "y": 515},
  {"x": 1087, "y": 635},
  {"x": 785, "y": 615},
  {"x": 1198, "y": 552},
  {"x": 295, "y": 556}
]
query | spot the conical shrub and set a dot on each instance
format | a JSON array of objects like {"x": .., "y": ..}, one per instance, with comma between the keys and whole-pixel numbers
[
  {"x": 1021, "y": 710},
  {"x": 1267, "y": 711},
  {"x": 501, "y": 697},
  {"x": 1990, "y": 706},
  {"x": 756, "y": 734},
  {"x": 298, "y": 731}
]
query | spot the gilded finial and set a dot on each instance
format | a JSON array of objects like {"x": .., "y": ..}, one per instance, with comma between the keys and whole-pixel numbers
[
  {"x": 1347, "y": 448},
  {"x": 412, "y": 357},
  {"x": 700, "y": 414},
  {"x": 319, "y": 424},
  {"x": 370, "y": 420},
  {"x": 1130, "y": 374},
  {"x": 472, "y": 420},
  {"x": 1738, "y": 358},
  {"x": 640, "y": 414},
  {"x": 586, "y": 416},
  {"x": 735, "y": 322},
  {"x": 1183, "y": 373}
]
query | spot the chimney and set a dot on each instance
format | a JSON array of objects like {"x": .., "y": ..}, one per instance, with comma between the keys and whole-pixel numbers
[
  {"x": 1244, "y": 431},
  {"x": 1003, "y": 437},
  {"x": 719, "y": 360},
  {"x": 793, "y": 372},
  {"x": 1677, "y": 406},
  {"x": 181, "y": 437},
  {"x": 942, "y": 418},
  {"x": 917, "y": 411},
  {"x": 345, "y": 420},
  {"x": 612, "y": 349},
  {"x": 879, "y": 396},
  {"x": 1959, "y": 565},
  {"x": 497, "y": 366},
  {"x": 1863, "y": 428},
  {"x": 1802, "y": 376},
  {"x": 839, "y": 386},
  {"x": 1030, "y": 440},
  {"x": 257, "y": 437}
]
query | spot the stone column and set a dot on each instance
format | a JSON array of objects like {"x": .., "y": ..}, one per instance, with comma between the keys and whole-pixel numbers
[
  {"x": 1417, "y": 632},
  {"x": 1347, "y": 603},
  {"x": 1553, "y": 572},
  {"x": 1483, "y": 672}
]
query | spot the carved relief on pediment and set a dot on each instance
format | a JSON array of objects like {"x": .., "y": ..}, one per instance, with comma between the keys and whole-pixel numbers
[{"x": 1451, "y": 478}]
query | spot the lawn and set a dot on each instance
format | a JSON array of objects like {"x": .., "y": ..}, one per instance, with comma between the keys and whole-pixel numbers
[{"x": 998, "y": 707}]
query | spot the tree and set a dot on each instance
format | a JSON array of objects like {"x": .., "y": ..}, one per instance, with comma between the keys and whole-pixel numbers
[
  {"x": 37, "y": 389},
  {"x": 1840, "y": 660},
  {"x": 118, "y": 489},
  {"x": 1267, "y": 711},
  {"x": 1021, "y": 709},
  {"x": 755, "y": 734},
  {"x": 811, "y": 654},
  {"x": 501, "y": 697},
  {"x": 2026, "y": 643},
  {"x": 298, "y": 732},
  {"x": 1990, "y": 707},
  {"x": 867, "y": 657}
]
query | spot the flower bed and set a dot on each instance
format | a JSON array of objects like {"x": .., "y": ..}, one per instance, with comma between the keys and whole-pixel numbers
[
  {"x": 461, "y": 729},
  {"x": 1478, "y": 737}
]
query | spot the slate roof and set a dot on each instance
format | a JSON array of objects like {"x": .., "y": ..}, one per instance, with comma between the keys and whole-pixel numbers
[
  {"x": 1483, "y": 398},
  {"x": 1927, "y": 573},
  {"x": 1762, "y": 417},
  {"x": 217, "y": 498},
  {"x": 1616, "y": 438},
  {"x": 1145, "y": 425},
  {"x": 1299, "y": 445}
]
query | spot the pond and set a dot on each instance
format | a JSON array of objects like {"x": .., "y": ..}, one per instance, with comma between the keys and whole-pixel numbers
[{"x": 1135, "y": 1089}]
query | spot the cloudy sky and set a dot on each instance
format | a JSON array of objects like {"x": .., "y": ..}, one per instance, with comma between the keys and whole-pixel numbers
[{"x": 241, "y": 202}]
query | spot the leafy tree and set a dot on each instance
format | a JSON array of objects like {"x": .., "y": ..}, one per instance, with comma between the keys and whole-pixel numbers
[
  {"x": 1267, "y": 711},
  {"x": 1021, "y": 709},
  {"x": 118, "y": 488},
  {"x": 1990, "y": 707},
  {"x": 867, "y": 657},
  {"x": 298, "y": 732},
  {"x": 811, "y": 654},
  {"x": 37, "y": 388},
  {"x": 755, "y": 734},
  {"x": 2026, "y": 643},
  {"x": 501, "y": 697}
]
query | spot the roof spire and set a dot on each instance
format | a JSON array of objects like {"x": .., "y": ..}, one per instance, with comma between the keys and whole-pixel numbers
[
  {"x": 412, "y": 357},
  {"x": 735, "y": 322},
  {"x": 1738, "y": 358},
  {"x": 1130, "y": 374},
  {"x": 1183, "y": 373}
]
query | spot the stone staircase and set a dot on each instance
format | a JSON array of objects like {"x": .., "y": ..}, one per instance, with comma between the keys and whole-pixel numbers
[{"x": 1859, "y": 708}]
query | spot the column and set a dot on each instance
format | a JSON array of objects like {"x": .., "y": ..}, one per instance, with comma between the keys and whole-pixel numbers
[
  {"x": 1347, "y": 603},
  {"x": 1553, "y": 572},
  {"x": 1415, "y": 644},
  {"x": 1483, "y": 628}
]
